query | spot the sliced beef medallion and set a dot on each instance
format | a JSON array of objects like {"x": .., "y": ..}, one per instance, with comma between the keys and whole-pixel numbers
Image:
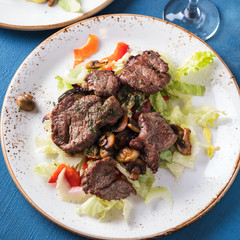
[
  {"x": 146, "y": 72},
  {"x": 103, "y": 82},
  {"x": 155, "y": 136},
  {"x": 109, "y": 112},
  {"x": 76, "y": 121},
  {"x": 101, "y": 179}
]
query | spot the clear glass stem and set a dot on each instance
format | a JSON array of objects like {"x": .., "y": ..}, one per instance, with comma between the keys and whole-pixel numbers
[
  {"x": 200, "y": 17},
  {"x": 192, "y": 9}
]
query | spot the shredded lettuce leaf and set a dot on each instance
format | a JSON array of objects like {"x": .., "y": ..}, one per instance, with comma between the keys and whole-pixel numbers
[
  {"x": 176, "y": 169},
  {"x": 45, "y": 145},
  {"x": 46, "y": 169},
  {"x": 166, "y": 155},
  {"x": 159, "y": 192},
  {"x": 146, "y": 182},
  {"x": 185, "y": 161},
  {"x": 126, "y": 206},
  {"x": 158, "y": 103},
  {"x": 186, "y": 88},
  {"x": 119, "y": 65},
  {"x": 97, "y": 208},
  {"x": 198, "y": 60},
  {"x": 62, "y": 85},
  {"x": 70, "y": 5},
  {"x": 72, "y": 76},
  {"x": 77, "y": 74},
  {"x": 124, "y": 171}
]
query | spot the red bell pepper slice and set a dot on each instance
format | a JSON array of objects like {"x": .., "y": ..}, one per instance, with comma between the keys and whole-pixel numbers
[
  {"x": 166, "y": 97},
  {"x": 54, "y": 177},
  {"x": 119, "y": 52},
  {"x": 71, "y": 175},
  {"x": 87, "y": 50}
]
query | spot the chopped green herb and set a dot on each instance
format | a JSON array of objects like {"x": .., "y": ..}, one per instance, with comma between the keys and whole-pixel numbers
[{"x": 93, "y": 129}]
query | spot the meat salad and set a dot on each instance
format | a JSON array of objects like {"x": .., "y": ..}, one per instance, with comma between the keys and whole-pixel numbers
[
  {"x": 82, "y": 121},
  {"x": 119, "y": 121}
]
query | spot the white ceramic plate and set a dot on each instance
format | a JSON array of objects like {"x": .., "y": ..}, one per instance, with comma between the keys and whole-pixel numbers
[
  {"x": 26, "y": 15},
  {"x": 194, "y": 194}
]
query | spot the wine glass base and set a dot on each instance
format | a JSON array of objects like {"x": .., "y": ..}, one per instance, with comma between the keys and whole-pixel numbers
[{"x": 204, "y": 24}]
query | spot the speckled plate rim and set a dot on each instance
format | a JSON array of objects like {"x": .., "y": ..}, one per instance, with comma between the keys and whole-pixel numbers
[
  {"x": 214, "y": 201},
  {"x": 57, "y": 25}
]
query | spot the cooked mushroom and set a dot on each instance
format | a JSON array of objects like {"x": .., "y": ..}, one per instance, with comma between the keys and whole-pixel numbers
[
  {"x": 77, "y": 91},
  {"x": 94, "y": 64},
  {"x": 92, "y": 153},
  {"x": 127, "y": 154},
  {"x": 104, "y": 153},
  {"x": 122, "y": 124},
  {"x": 133, "y": 126},
  {"x": 136, "y": 168},
  {"x": 25, "y": 102},
  {"x": 107, "y": 141},
  {"x": 177, "y": 129},
  {"x": 183, "y": 143}
]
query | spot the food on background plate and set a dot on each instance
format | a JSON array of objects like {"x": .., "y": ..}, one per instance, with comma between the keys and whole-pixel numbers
[
  {"x": 67, "y": 5},
  {"x": 117, "y": 120}
]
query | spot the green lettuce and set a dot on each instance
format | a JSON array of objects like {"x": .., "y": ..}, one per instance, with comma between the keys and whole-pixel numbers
[
  {"x": 198, "y": 60},
  {"x": 62, "y": 85},
  {"x": 45, "y": 145},
  {"x": 146, "y": 182},
  {"x": 119, "y": 65},
  {"x": 73, "y": 76},
  {"x": 70, "y": 5},
  {"x": 166, "y": 155},
  {"x": 159, "y": 192},
  {"x": 124, "y": 171},
  {"x": 97, "y": 207},
  {"x": 77, "y": 74},
  {"x": 203, "y": 116},
  {"x": 158, "y": 103},
  {"x": 186, "y": 88},
  {"x": 174, "y": 168},
  {"x": 183, "y": 160},
  {"x": 46, "y": 169}
]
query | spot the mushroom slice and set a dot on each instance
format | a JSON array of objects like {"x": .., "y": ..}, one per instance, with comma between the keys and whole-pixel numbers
[
  {"x": 95, "y": 64},
  {"x": 177, "y": 129},
  {"x": 183, "y": 144},
  {"x": 122, "y": 124},
  {"x": 105, "y": 153},
  {"x": 127, "y": 154},
  {"x": 77, "y": 92},
  {"x": 133, "y": 126},
  {"x": 136, "y": 168},
  {"x": 107, "y": 141}
]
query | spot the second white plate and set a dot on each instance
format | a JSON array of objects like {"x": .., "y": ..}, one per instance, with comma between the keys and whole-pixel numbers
[{"x": 26, "y": 15}]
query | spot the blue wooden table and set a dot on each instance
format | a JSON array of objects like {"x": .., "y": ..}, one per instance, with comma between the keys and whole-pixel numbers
[{"x": 19, "y": 220}]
